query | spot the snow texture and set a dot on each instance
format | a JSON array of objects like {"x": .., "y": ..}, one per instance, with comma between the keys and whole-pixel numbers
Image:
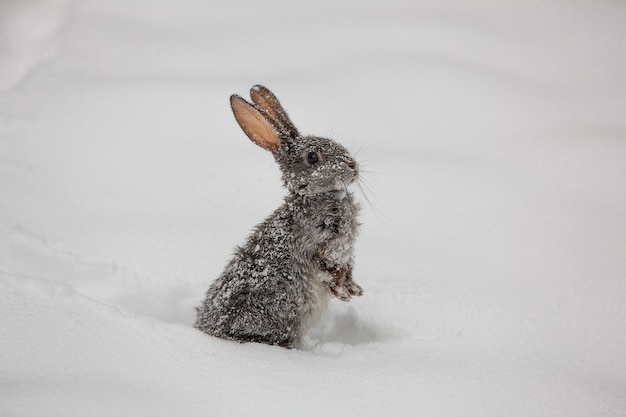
[{"x": 492, "y": 141}]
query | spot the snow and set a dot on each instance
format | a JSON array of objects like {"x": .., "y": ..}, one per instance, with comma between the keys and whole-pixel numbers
[{"x": 493, "y": 253}]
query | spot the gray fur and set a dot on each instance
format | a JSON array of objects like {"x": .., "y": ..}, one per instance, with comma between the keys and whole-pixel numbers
[{"x": 278, "y": 284}]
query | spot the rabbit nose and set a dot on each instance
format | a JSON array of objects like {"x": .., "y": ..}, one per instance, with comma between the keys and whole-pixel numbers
[{"x": 351, "y": 163}]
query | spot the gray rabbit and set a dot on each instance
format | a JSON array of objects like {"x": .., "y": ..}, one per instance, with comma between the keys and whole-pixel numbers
[{"x": 278, "y": 284}]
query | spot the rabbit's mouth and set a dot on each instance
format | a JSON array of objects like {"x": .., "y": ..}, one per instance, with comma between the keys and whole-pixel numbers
[{"x": 352, "y": 174}]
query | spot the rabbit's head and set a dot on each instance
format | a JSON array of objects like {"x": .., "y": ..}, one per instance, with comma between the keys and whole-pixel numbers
[{"x": 309, "y": 164}]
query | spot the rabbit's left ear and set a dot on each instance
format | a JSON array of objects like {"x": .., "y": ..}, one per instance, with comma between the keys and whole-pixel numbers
[
  {"x": 255, "y": 123},
  {"x": 266, "y": 100}
]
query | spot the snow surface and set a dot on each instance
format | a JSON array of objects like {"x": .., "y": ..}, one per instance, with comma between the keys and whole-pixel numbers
[{"x": 493, "y": 252}]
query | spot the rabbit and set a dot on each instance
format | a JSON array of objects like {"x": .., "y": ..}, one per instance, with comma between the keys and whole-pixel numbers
[{"x": 278, "y": 284}]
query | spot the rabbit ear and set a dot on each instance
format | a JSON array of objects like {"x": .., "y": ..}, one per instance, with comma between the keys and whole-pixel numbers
[
  {"x": 255, "y": 123},
  {"x": 265, "y": 99}
]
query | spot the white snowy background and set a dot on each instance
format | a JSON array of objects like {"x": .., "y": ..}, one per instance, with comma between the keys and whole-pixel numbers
[{"x": 493, "y": 250}]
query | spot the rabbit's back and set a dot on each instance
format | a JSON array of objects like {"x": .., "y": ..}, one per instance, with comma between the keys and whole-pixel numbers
[{"x": 256, "y": 296}]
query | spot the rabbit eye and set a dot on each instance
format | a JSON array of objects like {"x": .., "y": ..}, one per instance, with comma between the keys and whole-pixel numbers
[{"x": 313, "y": 158}]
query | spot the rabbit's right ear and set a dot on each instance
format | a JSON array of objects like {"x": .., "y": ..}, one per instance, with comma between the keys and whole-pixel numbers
[{"x": 255, "y": 124}]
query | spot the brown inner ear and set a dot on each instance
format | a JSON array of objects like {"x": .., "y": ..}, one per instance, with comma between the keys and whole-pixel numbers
[{"x": 254, "y": 124}]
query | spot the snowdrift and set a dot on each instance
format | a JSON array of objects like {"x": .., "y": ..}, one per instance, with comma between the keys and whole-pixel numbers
[{"x": 493, "y": 250}]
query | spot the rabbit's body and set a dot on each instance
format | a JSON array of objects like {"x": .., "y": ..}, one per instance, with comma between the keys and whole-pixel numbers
[
  {"x": 278, "y": 284},
  {"x": 273, "y": 290}
]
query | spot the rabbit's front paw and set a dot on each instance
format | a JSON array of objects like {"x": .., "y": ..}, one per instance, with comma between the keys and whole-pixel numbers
[
  {"x": 353, "y": 288},
  {"x": 339, "y": 291},
  {"x": 341, "y": 284}
]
